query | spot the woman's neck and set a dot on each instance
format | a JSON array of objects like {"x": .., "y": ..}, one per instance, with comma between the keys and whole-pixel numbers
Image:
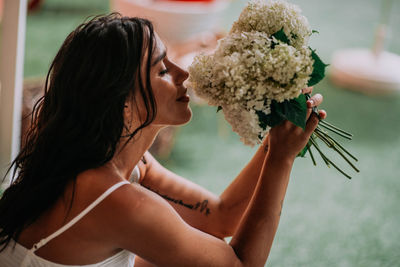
[{"x": 128, "y": 155}]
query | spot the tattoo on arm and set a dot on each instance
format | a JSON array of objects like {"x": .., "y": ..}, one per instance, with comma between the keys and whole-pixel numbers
[{"x": 199, "y": 206}]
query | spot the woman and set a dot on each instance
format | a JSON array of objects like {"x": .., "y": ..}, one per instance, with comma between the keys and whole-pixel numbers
[{"x": 110, "y": 89}]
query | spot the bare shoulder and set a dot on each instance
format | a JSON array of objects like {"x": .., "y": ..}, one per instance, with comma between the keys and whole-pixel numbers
[
  {"x": 145, "y": 224},
  {"x": 131, "y": 213},
  {"x": 130, "y": 205},
  {"x": 137, "y": 219},
  {"x": 94, "y": 232}
]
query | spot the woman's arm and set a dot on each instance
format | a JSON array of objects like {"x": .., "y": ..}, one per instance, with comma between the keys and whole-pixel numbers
[
  {"x": 236, "y": 197},
  {"x": 199, "y": 207},
  {"x": 146, "y": 225},
  {"x": 202, "y": 209}
]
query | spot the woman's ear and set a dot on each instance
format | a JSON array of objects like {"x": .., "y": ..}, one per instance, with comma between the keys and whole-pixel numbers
[
  {"x": 127, "y": 109},
  {"x": 128, "y": 114}
]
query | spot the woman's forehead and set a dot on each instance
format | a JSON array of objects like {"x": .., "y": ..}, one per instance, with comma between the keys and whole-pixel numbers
[
  {"x": 159, "y": 45},
  {"x": 160, "y": 51}
]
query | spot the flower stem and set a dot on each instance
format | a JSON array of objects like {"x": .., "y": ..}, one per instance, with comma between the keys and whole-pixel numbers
[
  {"x": 329, "y": 161},
  {"x": 335, "y": 127},
  {"x": 311, "y": 154},
  {"x": 347, "y": 152},
  {"x": 319, "y": 151},
  {"x": 328, "y": 141},
  {"x": 330, "y": 128}
]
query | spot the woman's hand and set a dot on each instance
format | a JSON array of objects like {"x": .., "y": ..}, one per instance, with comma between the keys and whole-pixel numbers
[{"x": 286, "y": 140}]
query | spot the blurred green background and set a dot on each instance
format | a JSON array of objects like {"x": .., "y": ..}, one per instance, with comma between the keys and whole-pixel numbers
[{"x": 327, "y": 220}]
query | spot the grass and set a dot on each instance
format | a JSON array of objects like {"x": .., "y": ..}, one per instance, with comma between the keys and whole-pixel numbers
[{"x": 327, "y": 220}]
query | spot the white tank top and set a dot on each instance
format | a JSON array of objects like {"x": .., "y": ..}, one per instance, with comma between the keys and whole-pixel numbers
[{"x": 21, "y": 256}]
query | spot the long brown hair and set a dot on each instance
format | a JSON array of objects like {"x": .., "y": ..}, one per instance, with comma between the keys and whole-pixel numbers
[{"x": 78, "y": 122}]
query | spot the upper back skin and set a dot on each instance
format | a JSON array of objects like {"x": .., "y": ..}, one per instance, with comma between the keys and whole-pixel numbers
[{"x": 90, "y": 235}]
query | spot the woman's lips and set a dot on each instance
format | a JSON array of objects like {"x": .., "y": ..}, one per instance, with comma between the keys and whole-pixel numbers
[{"x": 184, "y": 98}]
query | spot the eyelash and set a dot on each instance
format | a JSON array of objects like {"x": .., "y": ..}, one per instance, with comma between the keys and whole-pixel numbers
[{"x": 163, "y": 72}]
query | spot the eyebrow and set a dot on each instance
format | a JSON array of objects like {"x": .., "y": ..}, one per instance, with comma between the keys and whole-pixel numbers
[{"x": 159, "y": 58}]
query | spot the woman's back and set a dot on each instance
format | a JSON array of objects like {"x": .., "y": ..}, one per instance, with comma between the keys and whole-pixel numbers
[{"x": 77, "y": 239}]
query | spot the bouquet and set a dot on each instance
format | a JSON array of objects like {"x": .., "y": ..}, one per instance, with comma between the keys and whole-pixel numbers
[{"x": 257, "y": 71}]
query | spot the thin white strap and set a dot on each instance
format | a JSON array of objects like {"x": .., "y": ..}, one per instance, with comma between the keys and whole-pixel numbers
[{"x": 44, "y": 241}]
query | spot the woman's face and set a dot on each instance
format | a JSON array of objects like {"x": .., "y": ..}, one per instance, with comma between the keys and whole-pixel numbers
[{"x": 167, "y": 83}]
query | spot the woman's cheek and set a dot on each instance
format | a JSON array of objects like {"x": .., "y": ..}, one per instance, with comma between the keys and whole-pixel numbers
[{"x": 167, "y": 78}]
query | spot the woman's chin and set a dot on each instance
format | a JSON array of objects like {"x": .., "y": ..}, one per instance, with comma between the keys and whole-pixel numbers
[
  {"x": 185, "y": 118},
  {"x": 189, "y": 115},
  {"x": 181, "y": 119}
]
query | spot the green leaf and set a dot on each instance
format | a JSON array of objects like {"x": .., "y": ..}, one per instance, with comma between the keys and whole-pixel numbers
[
  {"x": 219, "y": 108},
  {"x": 272, "y": 119},
  {"x": 294, "y": 110},
  {"x": 314, "y": 31},
  {"x": 318, "y": 69},
  {"x": 281, "y": 36}
]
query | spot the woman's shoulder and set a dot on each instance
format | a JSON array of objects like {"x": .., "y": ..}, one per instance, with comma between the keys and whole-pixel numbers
[
  {"x": 126, "y": 211},
  {"x": 126, "y": 199},
  {"x": 93, "y": 185},
  {"x": 92, "y": 230}
]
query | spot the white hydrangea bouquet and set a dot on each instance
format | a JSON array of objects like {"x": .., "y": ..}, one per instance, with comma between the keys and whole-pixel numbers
[{"x": 257, "y": 71}]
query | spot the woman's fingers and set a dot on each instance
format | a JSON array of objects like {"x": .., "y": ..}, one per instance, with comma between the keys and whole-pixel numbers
[
  {"x": 307, "y": 90},
  {"x": 315, "y": 100},
  {"x": 295, "y": 136},
  {"x": 322, "y": 114},
  {"x": 312, "y": 123}
]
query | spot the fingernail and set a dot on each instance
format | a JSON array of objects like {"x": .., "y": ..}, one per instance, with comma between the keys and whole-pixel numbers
[{"x": 311, "y": 102}]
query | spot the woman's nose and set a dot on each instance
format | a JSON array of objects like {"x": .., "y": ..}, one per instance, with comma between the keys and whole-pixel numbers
[{"x": 182, "y": 75}]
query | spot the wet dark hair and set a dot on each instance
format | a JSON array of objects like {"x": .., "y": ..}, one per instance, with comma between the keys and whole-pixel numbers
[{"x": 79, "y": 121}]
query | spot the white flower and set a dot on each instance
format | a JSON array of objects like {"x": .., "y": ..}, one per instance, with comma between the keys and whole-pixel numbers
[
  {"x": 245, "y": 123},
  {"x": 250, "y": 67},
  {"x": 271, "y": 16}
]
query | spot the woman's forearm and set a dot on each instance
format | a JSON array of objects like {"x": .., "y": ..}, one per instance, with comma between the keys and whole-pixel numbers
[
  {"x": 236, "y": 197},
  {"x": 256, "y": 231}
]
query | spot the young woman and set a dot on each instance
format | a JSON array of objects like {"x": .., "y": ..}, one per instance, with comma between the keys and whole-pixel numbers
[{"x": 110, "y": 89}]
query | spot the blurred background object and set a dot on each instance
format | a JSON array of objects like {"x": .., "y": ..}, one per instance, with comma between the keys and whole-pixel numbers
[
  {"x": 12, "y": 50},
  {"x": 175, "y": 21},
  {"x": 32, "y": 92},
  {"x": 326, "y": 220},
  {"x": 34, "y": 5},
  {"x": 372, "y": 71}
]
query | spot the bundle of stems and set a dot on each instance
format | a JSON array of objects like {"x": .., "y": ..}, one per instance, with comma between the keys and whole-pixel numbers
[{"x": 321, "y": 134}]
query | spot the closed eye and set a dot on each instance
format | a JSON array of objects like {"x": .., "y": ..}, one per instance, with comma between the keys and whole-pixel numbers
[{"x": 163, "y": 72}]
